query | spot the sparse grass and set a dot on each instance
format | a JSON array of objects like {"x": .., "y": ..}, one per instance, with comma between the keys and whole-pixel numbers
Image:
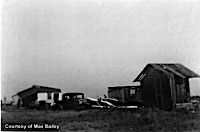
[{"x": 110, "y": 120}]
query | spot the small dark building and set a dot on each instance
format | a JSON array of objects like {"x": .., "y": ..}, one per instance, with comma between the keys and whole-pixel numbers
[
  {"x": 28, "y": 95},
  {"x": 164, "y": 85},
  {"x": 125, "y": 93}
]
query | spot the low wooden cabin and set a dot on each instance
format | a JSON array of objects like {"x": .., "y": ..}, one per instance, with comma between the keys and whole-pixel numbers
[{"x": 29, "y": 95}]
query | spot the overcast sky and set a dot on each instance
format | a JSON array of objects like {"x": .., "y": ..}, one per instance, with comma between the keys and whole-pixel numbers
[{"x": 88, "y": 45}]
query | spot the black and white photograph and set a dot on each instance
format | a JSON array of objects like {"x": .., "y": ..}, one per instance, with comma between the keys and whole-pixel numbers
[{"x": 100, "y": 65}]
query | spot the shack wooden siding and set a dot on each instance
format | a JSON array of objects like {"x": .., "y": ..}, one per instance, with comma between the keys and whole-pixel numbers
[
  {"x": 155, "y": 90},
  {"x": 173, "y": 88},
  {"x": 182, "y": 89}
]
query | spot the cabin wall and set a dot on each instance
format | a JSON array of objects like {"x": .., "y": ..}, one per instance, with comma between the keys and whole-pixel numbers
[
  {"x": 116, "y": 93},
  {"x": 155, "y": 90},
  {"x": 124, "y": 94},
  {"x": 27, "y": 100}
]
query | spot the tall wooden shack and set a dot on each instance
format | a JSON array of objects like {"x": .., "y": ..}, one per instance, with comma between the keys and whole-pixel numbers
[{"x": 164, "y": 85}]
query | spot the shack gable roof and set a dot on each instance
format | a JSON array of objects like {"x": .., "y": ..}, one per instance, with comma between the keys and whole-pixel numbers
[
  {"x": 178, "y": 69},
  {"x": 36, "y": 89}
]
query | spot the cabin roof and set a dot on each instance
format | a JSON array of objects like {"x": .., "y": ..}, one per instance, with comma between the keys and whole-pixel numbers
[
  {"x": 122, "y": 87},
  {"x": 176, "y": 68}
]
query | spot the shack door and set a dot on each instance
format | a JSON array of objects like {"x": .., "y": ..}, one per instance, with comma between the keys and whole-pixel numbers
[{"x": 182, "y": 90}]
